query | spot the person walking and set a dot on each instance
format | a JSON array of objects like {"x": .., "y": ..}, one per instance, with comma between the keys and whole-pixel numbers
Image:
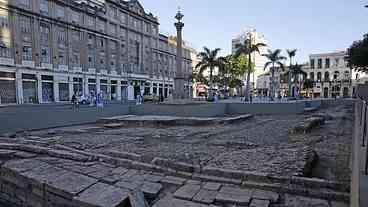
[{"x": 74, "y": 101}]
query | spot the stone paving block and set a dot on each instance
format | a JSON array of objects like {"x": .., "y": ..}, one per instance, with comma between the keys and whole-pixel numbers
[
  {"x": 205, "y": 196},
  {"x": 24, "y": 155},
  {"x": 73, "y": 183},
  {"x": 7, "y": 153},
  {"x": 169, "y": 201},
  {"x": 266, "y": 195},
  {"x": 127, "y": 176},
  {"x": 173, "y": 180},
  {"x": 23, "y": 165},
  {"x": 194, "y": 182},
  {"x": 339, "y": 204},
  {"x": 104, "y": 195},
  {"x": 210, "y": 178},
  {"x": 259, "y": 203},
  {"x": 153, "y": 178},
  {"x": 212, "y": 186},
  {"x": 151, "y": 189},
  {"x": 137, "y": 199},
  {"x": 300, "y": 201},
  {"x": 234, "y": 195},
  {"x": 187, "y": 191},
  {"x": 129, "y": 185}
]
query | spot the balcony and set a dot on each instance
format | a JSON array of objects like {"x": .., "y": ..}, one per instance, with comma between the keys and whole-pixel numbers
[
  {"x": 77, "y": 69},
  {"x": 28, "y": 64},
  {"x": 63, "y": 68},
  {"x": 103, "y": 72},
  {"x": 92, "y": 70},
  {"x": 47, "y": 66},
  {"x": 7, "y": 61}
]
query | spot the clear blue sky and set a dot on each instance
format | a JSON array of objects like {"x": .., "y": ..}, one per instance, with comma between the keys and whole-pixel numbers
[{"x": 311, "y": 26}]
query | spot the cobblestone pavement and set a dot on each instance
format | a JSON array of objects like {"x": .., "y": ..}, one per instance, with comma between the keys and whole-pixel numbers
[
  {"x": 254, "y": 163},
  {"x": 262, "y": 143}
]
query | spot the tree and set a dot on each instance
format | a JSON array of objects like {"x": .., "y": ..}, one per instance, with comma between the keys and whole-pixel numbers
[
  {"x": 291, "y": 54},
  {"x": 308, "y": 84},
  {"x": 230, "y": 74},
  {"x": 209, "y": 60},
  {"x": 275, "y": 59},
  {"x": 295, "y": 71},
  {"x": 358, "y": 55},
  {"x": 247, "y": 48}
]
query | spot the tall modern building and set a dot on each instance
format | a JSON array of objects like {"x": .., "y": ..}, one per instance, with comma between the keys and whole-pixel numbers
[
  {"x": 258, "y": 59},
  {"x": 52, "y": 49}
]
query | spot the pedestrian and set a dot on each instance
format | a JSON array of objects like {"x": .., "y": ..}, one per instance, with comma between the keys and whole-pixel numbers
[
  {"x": 162, "y": 98},
  {"x": 74, "y": 100},
  {"x": 251, "y": 98}
]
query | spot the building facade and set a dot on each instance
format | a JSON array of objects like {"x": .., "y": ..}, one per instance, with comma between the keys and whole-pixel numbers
[
  {"x": 331, "y": 75},
  {"x": 52, "y": 49},
  {"x": 257, "y": 58}
]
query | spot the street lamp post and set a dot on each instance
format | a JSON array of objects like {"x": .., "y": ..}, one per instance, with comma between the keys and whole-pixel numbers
[{"x": 179, "y": 79}]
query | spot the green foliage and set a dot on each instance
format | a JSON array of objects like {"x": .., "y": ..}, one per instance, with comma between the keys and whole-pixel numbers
[
  {"x": 308, "y": 84},
  {"x": 209, "y": 60},
  {"x": 358, "y": 55},
  {"x": 296, "y": 70},
  {"x": 230, "y": 75}
]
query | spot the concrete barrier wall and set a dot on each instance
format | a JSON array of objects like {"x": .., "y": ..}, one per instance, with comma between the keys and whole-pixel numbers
[
  {"x": 265, "y": 108},
  {"x": 189, "y": 110}
]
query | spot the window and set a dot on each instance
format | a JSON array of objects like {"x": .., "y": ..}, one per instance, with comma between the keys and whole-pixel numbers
[
  {"x": 319, "y": 63},
  {"x": 60, "y": 12},
  {"x": 61, "y": 37},
  {"x": 337, "y": 62},
  {"x": 112, "y": 29},
  {"x": 75, "y": 17},
  {"x": 311, "y": 76},
  {"x": 25, "y": 24},
  {"x": 327, "y": 76},
  {"x": 45, "y": 33},
  {"x": 123, "y": 18},
  {"x": 5, "y": 47},
  {"x": 44, "y": 7},
  {"x": 45, "y": 54},
  {"x": 90, "y": 21},
  {"x": 24, "y": 3},
  {"x": 319, "y": 76},
  {"x": 101, "y": 25},
  {"x": 327, "y": 63},
  {"x": 45, "y": 39},
  {"x": 113, "y": 12},
  {"x": 27, "y": 53},
  {"x": 336, "y": 75}
]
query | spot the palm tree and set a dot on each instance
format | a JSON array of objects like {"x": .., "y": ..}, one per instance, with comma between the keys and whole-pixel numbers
[
  {"x": 247, "y": 48},
  {"x": 295, "y": 71},
  {"x": 209, "y": 60},
  {"x": 275, "y": 59},
  {"x": 291, "y": 54}
]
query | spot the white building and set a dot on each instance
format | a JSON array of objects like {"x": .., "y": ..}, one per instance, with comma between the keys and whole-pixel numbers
[
  {"x": 257, "y": 58},
  {"x": 331, "y": 75}
]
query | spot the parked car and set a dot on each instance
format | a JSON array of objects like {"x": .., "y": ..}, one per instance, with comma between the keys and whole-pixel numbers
[{"x": 84, "y": 100}]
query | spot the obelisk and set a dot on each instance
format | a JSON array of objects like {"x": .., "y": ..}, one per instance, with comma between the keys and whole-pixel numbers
[{"x": 179, "y": 78}]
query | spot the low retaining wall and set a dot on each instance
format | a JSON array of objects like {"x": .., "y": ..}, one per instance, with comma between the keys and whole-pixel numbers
[
  {"x": 188, "y": 110},
  {"x": 265, "y": 108}
]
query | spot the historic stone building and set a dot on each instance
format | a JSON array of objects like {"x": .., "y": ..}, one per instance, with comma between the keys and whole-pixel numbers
[
  {"x": 52, "y": 49},
  {"x": 331, "y": 75}
]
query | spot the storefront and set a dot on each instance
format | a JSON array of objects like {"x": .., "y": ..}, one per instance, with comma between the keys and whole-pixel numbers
[
  {"x": 47, "y": 89},
  {"x": 124, "y": 91},
  {"x": 147, "y": 88},
  {"x": 64, "y": 92},
  {"x": 160, "y": 89},
  {"x": 7, "y": 88},
  {"x": 104, "y": 89},
  {"x": 92, "y": 86},
  {"x": 154, "y": 89},
  {"x": 114, "y": 85},
  {"x": 78, "y": 86},
  {"x": 29, "y": 82}
]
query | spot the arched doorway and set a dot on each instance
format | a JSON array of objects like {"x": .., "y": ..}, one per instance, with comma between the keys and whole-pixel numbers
[
  {"x": 346, "y": 92},
  {"x": 325, "y": 92}
]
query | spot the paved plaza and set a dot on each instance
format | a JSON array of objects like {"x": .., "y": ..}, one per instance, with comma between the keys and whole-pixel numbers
[{"x": 257, "y": 161}]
